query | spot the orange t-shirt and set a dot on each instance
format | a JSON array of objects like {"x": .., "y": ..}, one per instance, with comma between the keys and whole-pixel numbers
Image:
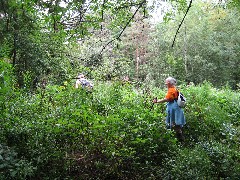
[{"x": 171, "y": 94}]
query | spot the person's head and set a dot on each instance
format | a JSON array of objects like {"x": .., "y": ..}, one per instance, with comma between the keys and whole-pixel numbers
[
  {"x": 126, "y": 78},
  {"x": 80, "y": 76},
  {"x": 170, "y": 81}
]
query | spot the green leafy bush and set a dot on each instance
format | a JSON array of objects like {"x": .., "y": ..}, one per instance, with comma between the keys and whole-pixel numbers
[
  {"x": 225, "y": 161},
  {"x": 113, "y": 132},
  {"x": 11, "y": 167},
  {"x": 187, "y": 163}
]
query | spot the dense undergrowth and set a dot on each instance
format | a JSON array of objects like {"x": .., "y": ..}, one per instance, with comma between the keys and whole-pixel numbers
[{"x": 114, "y": 132}]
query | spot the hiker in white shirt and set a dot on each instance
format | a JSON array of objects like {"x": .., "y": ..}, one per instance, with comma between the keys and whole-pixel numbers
[{"x": 82, "y": 81}]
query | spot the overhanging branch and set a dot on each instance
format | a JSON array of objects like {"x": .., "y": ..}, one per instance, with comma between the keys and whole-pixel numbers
[
  {"x": 126, "y": 25},
  {"x": 181, "y": 23}
]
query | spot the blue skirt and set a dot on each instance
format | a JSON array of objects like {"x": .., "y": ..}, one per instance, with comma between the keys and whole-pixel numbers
[{"x": 175, "y": 115}]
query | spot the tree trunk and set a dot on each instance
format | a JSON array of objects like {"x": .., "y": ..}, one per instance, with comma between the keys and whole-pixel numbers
[
  {"x": 137, "y": 63},
  {"x": 185, "y": 53}
]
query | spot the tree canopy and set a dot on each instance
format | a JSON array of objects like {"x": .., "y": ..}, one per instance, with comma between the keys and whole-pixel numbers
[{"x": 54, "y": 39}]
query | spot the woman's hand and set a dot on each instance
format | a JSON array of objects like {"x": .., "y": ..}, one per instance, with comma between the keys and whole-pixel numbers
[{"x": 155, "y": 100}]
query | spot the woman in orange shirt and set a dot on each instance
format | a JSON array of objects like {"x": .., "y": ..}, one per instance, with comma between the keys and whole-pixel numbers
[{"x": 175, "y": 116}]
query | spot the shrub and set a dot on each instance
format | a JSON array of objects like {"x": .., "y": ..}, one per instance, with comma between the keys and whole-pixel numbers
[
  {"x": 112, "y": 132},
  {"x": 11, "y": 167},
  {"x": 225, "y": 162}
]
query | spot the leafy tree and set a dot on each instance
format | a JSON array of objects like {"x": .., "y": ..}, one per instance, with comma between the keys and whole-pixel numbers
[
  {"x": 203, "y": 49},
  {"x": 27, "y": 26}
]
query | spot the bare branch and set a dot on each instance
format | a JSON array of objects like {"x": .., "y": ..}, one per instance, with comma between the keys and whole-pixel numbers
[{"x": 181, "y": 22}]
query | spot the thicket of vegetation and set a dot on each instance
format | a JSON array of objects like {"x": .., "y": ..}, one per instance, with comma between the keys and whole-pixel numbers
[
  {"x": 113, "y": 133},
  {"x": 54, "y": 41},
  {"x": 50, "y": 130}
]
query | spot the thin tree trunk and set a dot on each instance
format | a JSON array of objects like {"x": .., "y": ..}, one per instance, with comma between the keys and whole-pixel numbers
[
  {"x": 185, "y": 53},
  {"x": 137, "y": 63},
  {"x": 14, "y": 52}
]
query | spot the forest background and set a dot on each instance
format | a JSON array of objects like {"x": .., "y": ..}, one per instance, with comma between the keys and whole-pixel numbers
[{"x": 51, "y": 130}]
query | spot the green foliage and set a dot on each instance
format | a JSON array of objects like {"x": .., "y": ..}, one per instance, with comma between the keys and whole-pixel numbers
[
  {"x": 211, "y": 110},
  {"x": 223, "y": 160},
  {"x": 7, "y": 82},
  {"x": 205, "y": 48},
  {"x": 112, "y": 132},
  {"x": 6, "y": 77},
  {"x": 188, "y": 164},
  {"x": 11, "y": 167},
  {"x": 35, "y": 35},
  {"x": 234, "y": 4}
]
